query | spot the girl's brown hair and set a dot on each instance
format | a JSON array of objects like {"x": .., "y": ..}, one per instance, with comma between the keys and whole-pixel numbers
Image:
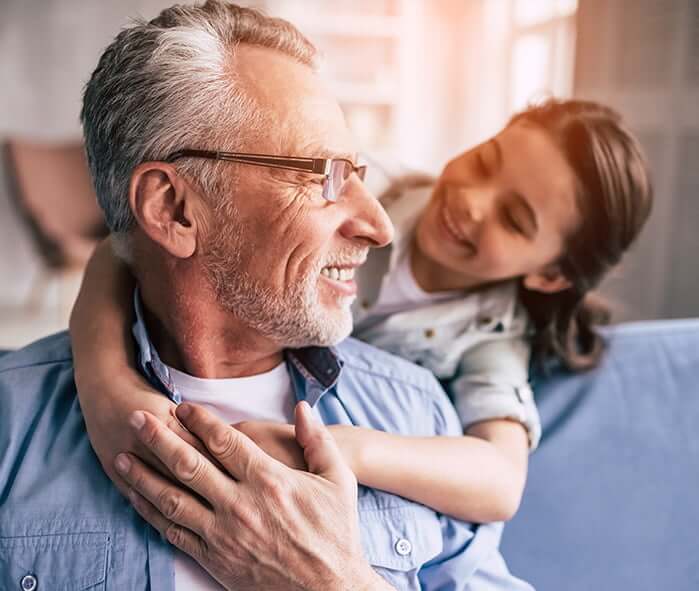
[{"x": 614, "y": 196}]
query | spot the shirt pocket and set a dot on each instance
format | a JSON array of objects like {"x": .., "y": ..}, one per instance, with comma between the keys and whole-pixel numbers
[
  {"x": 399, "y": 540},
  {"x": 60, "y": 562}
]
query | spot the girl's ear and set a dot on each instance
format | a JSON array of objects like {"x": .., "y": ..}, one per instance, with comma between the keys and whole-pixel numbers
[{"x": 548, "y": 280}]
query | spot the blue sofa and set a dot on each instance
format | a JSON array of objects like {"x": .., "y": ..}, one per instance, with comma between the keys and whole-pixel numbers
[{"x": 610, "y": 503}]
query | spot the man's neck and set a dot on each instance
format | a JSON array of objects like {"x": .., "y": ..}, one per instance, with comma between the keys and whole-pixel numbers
[{"x": 192, "y": 333}]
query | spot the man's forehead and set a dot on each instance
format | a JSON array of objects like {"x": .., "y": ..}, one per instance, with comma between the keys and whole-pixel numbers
[{"x": 302, "y": 111}]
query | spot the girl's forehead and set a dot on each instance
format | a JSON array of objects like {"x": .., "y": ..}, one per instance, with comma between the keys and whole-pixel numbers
[{"x": 536, "y": 167}]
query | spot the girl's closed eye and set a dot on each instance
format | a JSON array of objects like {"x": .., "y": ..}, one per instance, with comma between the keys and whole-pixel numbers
[
  {"x": 512, "y": 223},
  {"x": 481, "y": 166}
]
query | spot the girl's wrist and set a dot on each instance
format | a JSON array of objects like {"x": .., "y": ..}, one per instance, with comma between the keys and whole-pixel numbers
[{"x": 350, "y": 440}]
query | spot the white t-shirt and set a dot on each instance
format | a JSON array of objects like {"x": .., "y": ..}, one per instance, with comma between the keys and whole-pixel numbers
[
  {"x": 264, "y": 397},
  {"x": 400, "y": 291}
]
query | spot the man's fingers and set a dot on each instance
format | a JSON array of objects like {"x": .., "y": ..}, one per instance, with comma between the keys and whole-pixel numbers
[
  {"x": 174, "y": 503},
  {"x": 319, "y": 448},
  {"x": 234, "y": 450},
  {"x": 178, "y": 429},
  {"x": 177, "y": 535},
  {"x": 184, "y": 462}
]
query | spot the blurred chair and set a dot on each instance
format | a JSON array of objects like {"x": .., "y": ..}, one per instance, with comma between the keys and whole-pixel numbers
[{"x": 51, "y": 187}]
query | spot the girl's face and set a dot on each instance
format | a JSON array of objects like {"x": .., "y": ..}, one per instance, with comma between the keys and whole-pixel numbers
[{"x": 501, "y": 210}]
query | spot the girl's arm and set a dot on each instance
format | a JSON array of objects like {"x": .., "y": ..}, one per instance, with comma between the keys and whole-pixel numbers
[
  {"x": 478, "y": 477},
  {"x": 109, "y": 389}
]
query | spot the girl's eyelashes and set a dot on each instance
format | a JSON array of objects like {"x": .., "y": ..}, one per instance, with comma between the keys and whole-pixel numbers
[{"x": 512, "y": 223}]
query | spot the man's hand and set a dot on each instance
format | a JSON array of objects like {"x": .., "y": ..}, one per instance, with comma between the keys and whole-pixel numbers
[{"x": 261, "y": 525}]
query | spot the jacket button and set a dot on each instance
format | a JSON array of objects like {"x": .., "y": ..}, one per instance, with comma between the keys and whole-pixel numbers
[
  {"x": 364, "y": 304},
  {"x": 403, "y": 547},
  {"x": 28, "y": 583},
  {"x": 429, "y": 332}
]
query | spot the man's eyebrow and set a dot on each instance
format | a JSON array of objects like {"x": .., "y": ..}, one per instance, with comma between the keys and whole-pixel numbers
[
  {"x": 315, "y": 151},
  {"x": 345, "y": 155}
]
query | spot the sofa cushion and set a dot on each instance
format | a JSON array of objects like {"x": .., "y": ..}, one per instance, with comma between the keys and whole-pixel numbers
[{"x": 611, "y": 500}]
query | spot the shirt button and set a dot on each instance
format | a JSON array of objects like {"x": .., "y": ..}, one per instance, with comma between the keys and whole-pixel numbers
[
  {"x": 429, "y": 332},
  {"x": 28, "y": 583},
  {"x": 403, "y": 547},
  {"x": 365, "y": 304}
]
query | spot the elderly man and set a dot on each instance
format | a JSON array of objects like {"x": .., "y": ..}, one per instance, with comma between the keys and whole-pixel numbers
[{"x": 229, "y": 181}]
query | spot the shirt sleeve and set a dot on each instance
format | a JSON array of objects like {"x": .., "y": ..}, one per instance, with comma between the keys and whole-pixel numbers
[
  {"x": 470, "y": 559},
  {"x": 493, "y": 383}
]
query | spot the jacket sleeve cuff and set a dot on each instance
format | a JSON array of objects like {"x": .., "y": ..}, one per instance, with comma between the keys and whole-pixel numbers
[{"x": 482, "y": 402}]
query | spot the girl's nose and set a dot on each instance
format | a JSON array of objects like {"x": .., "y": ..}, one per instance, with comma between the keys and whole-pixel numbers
[
  {"x": 474, "y": 211},
  {"x": 472, "y": 203}
]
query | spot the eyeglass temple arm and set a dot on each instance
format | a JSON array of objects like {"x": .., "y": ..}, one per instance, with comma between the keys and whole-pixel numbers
[{"x": 314, "y": 165}]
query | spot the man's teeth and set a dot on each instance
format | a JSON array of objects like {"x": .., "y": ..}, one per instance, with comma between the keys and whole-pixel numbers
[{"x": 337, "y": 273}]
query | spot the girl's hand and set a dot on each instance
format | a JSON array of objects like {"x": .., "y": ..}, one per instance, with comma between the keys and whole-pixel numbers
[
  {"x": 277, "y": 440},
  {"x": 107, "y": 415},
  {"x": 354, "y": 443}
]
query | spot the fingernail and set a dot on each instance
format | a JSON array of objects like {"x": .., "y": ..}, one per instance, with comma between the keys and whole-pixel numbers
[
  {"x": 183, "y": 410},
  {"x": 122, "y": 463},
  {"x": 137, "y": 419},
  {"x": 308, "y": 411}
]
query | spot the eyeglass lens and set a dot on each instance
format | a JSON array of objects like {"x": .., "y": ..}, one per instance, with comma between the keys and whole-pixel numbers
[{"x": 340, "y": 171}]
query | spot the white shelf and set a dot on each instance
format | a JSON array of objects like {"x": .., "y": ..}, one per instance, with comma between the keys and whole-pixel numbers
[
  {"x": 388, "y": 27},
  {"x": 364, "y": 94},
  {"x": 368, "y": 58}
]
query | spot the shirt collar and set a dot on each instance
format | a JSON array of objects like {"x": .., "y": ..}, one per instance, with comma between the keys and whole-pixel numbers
[{"x": 315, "y": 370}]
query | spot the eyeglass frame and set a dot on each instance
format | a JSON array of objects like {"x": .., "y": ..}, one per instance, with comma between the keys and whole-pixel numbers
[{"x": 321, "y": 166}]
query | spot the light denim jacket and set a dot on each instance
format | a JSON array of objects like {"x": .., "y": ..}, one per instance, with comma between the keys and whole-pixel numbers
[
  {"x": 475, "y": 344},
  {"x": 64, "y": 527}
]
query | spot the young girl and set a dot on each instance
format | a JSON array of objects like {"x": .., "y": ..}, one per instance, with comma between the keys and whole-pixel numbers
[{"x": 490, "y": 263}]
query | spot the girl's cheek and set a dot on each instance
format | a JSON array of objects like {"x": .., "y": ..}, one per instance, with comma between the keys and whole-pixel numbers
[{"x": 496, "y": 253}]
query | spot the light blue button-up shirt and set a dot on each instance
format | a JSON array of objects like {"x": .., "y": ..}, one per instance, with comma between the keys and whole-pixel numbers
[{"x": 65, "y": 524}]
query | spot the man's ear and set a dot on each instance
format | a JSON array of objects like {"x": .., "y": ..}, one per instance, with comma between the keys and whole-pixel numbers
[
  {"x": 548, "y": 280},
  {"x": 164, "y": 207}
]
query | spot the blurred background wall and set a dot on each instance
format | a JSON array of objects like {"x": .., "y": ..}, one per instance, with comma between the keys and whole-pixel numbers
[{"x": 419, "y": 80}]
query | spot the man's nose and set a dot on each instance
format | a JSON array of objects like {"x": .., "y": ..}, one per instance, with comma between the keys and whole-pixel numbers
[{"x": 367, "y": 220}]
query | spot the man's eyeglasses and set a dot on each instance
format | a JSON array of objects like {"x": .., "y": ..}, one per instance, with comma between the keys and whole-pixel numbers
[{"x": 336, "y": 171}]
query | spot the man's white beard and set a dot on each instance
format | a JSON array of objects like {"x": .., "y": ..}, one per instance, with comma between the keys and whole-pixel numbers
[{"x": 292, "y": 318}]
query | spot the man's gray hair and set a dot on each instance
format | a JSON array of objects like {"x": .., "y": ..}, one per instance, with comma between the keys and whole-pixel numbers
[{"x": 168, "y": 84}]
